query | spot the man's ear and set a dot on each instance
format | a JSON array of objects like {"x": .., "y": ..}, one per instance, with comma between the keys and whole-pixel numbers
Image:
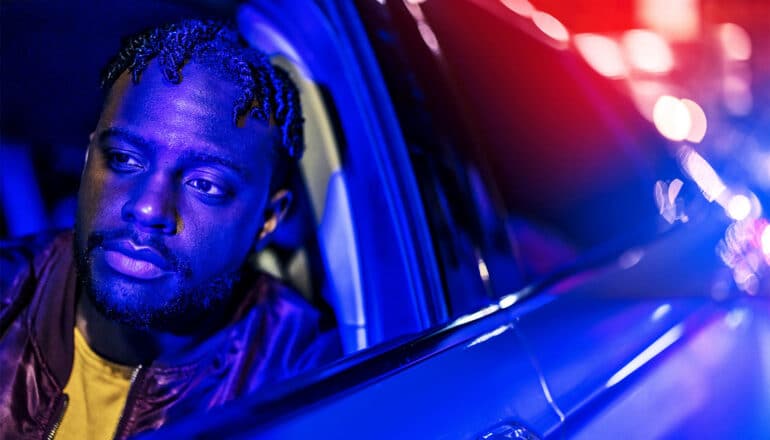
[{"x": 276, "y": 210}]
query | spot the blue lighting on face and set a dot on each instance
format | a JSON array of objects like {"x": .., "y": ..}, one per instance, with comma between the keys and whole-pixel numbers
[{"x": 174, "y": 197}]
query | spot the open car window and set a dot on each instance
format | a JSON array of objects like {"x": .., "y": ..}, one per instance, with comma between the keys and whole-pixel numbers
[{"x": 526, "y": 159}]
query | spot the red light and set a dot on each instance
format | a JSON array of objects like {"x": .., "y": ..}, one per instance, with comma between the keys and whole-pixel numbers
[
  {"x": 602, "y": 53},
  {"x": 521, "y": 7},
  {"x": 550, "y": 26},
  {"x": 648, "y": 51},
  {"x": 735, "y": 42},
  {"x": 676, "y": 19}
]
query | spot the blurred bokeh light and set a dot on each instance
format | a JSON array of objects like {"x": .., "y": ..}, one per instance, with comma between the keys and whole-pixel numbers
[
  {"x": 735, "y": 41},
  {"x": 602, "y": 53},
  {"x": 550, "y": 26},
  {"x": 647, "y": 51},
  {"x": 672, "y": 118},
  {"x": 521, "y": 7}
]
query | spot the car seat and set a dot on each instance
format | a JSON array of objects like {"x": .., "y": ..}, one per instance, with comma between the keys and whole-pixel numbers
[{"x": 314, "y": 249}]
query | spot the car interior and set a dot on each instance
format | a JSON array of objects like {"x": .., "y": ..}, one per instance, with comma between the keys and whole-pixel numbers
[
  {"x": 315, "y": 248},
  {"x": 341, "y": 195}
]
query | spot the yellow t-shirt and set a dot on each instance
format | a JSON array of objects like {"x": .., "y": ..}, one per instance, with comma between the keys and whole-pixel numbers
[{"x": 97, "y": 390}]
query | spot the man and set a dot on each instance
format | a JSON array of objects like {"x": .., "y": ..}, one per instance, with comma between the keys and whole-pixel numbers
[{"x": 148, "y": 312}]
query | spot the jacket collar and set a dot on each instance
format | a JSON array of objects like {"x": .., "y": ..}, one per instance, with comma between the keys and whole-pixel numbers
[{"x": 51, "y": 317}]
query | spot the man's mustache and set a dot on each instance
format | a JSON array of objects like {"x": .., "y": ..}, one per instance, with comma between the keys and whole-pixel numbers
[{"x": 97, "y": 238}]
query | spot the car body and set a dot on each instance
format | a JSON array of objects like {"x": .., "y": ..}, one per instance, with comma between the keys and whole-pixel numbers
[{"x": 639, "y": 333}]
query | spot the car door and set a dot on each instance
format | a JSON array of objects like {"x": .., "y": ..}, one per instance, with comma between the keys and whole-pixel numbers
[{"x": 569, "y": 316}]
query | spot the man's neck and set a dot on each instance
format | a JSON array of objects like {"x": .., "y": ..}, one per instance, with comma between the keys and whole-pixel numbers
[{"x": 128, "y": 346}]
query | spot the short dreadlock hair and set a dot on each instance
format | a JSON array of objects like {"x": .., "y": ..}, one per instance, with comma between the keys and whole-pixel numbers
[{"x": 266, "y": 91}]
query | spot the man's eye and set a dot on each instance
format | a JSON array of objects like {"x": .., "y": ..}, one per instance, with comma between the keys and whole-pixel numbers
[
  {"x": 206, "y": 187},
  {"x": 121, "y": 161}
]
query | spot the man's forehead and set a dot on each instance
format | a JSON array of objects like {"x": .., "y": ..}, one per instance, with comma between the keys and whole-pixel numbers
[
  {"x": 201, "y": 92},
  {"x": 197, "y": 111}
]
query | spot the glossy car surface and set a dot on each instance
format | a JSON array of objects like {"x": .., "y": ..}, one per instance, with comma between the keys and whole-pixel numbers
[
  {"x": 607, "y": 354},
  {"x": 641, "y": 335}
]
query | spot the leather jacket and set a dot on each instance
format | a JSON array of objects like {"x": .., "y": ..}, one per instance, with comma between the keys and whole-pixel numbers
[{"x": 273, "y": 334}]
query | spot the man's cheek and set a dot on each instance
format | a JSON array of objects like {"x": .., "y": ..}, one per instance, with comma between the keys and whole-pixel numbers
[
  {"x": 87, "y": 195},
  {"x": 94, "y": 201},
  {"x": 226, "y": 248}
]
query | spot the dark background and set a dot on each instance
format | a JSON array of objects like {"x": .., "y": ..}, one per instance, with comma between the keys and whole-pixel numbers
[{"x": 51, "y": 55}]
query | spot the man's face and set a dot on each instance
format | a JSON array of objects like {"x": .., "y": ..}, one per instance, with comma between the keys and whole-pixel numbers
[{"x": 172, "y": 197}]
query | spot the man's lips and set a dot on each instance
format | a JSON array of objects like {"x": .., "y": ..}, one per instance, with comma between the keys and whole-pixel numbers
[{"x": 137, "y": 261}]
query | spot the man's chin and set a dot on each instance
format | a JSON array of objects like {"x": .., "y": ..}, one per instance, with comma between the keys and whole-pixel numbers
[
  {"x": 167, "y": 303},
  {"x": 156, "y": 305},
  {"x": 138, "y": 303},
  {"x": 140, "y": 306}
]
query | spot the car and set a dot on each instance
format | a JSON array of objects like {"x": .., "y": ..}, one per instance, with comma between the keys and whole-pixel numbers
[{"x": 514, "y": 240}]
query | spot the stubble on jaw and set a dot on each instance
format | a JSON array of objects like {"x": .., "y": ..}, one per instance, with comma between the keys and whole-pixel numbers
[{"x": 187, "y": 308}]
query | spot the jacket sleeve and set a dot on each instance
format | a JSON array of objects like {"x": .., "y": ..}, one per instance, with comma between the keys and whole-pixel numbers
[
  {"x": 17, "y": 270},
  {"x": 324, "y": 349},
  {"x": 295, "y": 334}
]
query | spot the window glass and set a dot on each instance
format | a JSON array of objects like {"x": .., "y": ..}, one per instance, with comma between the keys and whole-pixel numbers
[{"x": 526, "y": 159}]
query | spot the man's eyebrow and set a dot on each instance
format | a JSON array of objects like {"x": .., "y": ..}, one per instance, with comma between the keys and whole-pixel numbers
[
  {"x": 115, "y": 132},
  {"x": 189, "y": 156},
  {"x": 202, "y": 157}
]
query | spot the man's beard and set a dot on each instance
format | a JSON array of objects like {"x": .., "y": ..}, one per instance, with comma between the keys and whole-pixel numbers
[{"x": 182, "y": 313}]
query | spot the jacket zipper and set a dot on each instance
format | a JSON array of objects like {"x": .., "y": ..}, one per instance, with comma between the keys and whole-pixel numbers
[
  {"x": 122, "y": 419},
  {"x": 52, "y": 432}
]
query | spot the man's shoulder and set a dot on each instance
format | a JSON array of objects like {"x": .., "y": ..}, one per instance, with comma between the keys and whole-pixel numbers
[
  {"x": 279, "y": 297},
  {"x": 30, "y": 245},
  {"x": 23, "y": 258},
  {"x": 296, "y": 326}
]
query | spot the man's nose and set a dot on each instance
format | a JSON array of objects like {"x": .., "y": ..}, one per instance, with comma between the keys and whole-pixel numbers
[{"x": 152, "y": 207}]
